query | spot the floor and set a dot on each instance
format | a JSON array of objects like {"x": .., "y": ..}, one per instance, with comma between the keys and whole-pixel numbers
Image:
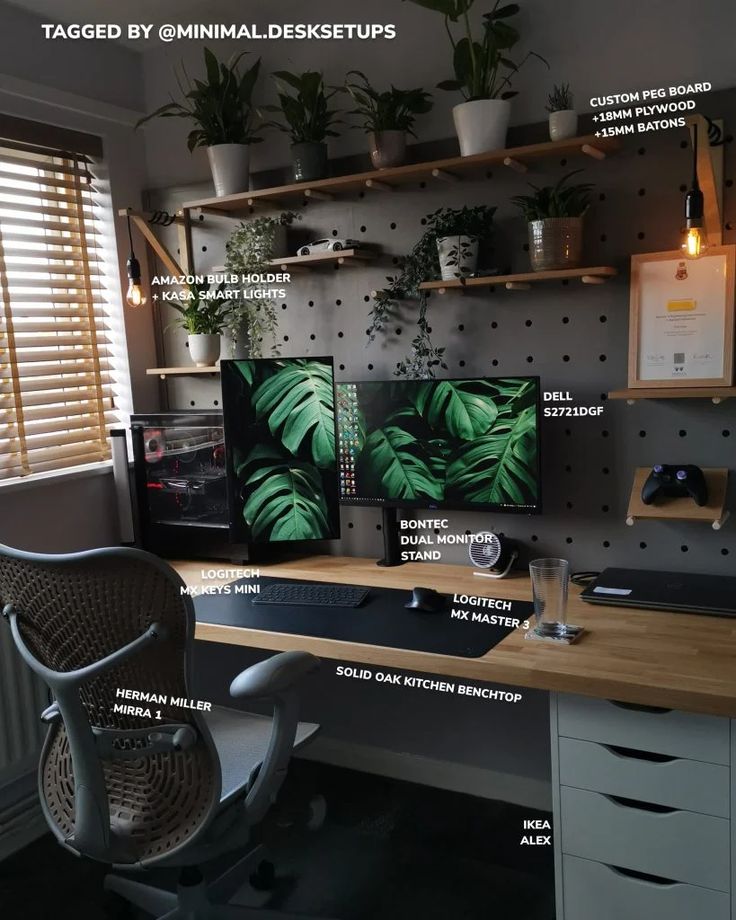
[{"x": 388, "y": 849}]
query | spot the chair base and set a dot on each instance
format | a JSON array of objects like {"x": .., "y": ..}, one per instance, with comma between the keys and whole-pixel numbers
[{"x": 195, "y": 901}]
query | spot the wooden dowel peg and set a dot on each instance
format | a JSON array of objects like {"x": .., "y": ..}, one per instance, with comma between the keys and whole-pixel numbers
[
  {"x": 516, "y": 165},
  {"x": 263, "y": 203},
  {"x": 445, "y": 176},
  {"x": 379, "y": 186},
  {"x": 593, "y": 279},
  {"x": 595, "y": 152},
  {"x": 317, "y": 195},
  {"x": 517, "y": 286}
]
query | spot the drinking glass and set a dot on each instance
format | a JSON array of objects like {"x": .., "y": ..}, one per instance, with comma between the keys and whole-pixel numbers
[{"x": 550, "y": 580}]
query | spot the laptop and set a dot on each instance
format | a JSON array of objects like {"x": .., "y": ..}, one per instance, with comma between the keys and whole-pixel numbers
[{"x": 681, "y": 592}]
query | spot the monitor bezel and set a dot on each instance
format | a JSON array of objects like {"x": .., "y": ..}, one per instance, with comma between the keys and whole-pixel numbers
[{"x": 452, "y": 505}]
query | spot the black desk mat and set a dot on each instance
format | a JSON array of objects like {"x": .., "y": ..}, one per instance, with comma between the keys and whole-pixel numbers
[{"x": 380, "y": 620}]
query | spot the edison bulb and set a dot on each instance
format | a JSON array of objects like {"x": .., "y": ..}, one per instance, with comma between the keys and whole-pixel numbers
[
  {"x": 135, "y": 296},
  {"x": 694, "y": 243}
]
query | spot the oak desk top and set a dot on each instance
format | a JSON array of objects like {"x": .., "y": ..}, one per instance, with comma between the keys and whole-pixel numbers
[{"x": 673, "y": 660}]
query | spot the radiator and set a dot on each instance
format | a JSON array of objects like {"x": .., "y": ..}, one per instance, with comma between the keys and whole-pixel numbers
[{"x": 22, "y": 698}]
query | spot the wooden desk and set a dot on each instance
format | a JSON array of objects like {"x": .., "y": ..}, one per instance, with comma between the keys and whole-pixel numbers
[{"x": 677, "y": 661}]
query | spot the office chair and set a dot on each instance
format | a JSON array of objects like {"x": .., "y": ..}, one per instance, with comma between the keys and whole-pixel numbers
[{"x": 167, "y": 786}]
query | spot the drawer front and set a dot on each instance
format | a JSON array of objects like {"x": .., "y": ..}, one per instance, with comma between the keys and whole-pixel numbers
[
  {"x": 594, "y": 890},
  {"x": 680, "y": 734},
  {"x": 677, "y": 845},
  {"x": 674, "y": 782}
]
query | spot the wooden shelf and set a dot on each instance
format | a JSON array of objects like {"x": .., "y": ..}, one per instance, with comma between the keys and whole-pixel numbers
[
  {"x": 714, "y": 394},
  {"x": 164, "y": 372},
  {"x": 523, "y": 281},
  {"x": 449, "y": 169},
  {"x": 682, "y": 509},
  {"x": 317, "y": 259}
]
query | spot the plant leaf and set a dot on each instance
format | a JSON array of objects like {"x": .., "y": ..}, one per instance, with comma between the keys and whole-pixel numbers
[
  {"x": 298, "y": 401},
  {"x": 465, "y": 409},
  {"x": 400, "y": 465}
]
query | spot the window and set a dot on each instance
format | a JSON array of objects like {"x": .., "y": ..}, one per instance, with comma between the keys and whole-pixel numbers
[{"x": 56, "y": 358}]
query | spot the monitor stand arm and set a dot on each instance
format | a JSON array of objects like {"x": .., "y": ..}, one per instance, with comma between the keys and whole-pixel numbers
[{"x": 390, "y": 527}]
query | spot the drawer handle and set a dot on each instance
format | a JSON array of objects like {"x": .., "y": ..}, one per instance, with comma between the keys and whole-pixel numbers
[
  {"x": 640, "y": 806},
  {"x": 631, "y": 754},
  {"x": 644, "y": 877},
  {"x": 639, "y": 707}
]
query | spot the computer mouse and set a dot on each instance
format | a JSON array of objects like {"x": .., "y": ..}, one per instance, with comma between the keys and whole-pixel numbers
[{"x": 427, "y": 600}]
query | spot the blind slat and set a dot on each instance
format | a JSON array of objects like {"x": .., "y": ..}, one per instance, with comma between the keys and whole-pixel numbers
[
  {"x": 68, "y": 397},
  {"x": 37, "y": 162}
]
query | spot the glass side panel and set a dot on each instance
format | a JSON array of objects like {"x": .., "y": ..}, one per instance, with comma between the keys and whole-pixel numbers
[{"x": 186, "y": 476}]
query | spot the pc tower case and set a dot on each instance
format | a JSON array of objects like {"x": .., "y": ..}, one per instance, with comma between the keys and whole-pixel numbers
[{"x": 181, "y": 484}]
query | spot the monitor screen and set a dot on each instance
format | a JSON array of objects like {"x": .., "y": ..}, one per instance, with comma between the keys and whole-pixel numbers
[
  {"x": 450, "y": 443},
  {"x": 279, "y": 420}
]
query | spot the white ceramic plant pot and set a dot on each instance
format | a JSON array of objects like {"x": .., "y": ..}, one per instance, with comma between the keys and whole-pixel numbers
[
  {"x": 481, "y": 125},
  {"x": 458, "y": 256},
  {"x": 563, "y": 124},
  {"x": 204, "y": 350},
  {"x": 230, "y": 165}
]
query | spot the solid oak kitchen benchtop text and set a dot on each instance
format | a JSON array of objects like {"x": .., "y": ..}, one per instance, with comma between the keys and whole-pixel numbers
[{"x": 652, "y": 658}]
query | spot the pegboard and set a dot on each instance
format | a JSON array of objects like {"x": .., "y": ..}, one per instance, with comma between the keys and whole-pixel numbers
[{"x": 573, "y": 336}]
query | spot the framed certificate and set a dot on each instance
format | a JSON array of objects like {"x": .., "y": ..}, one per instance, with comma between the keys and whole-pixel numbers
[{"x": 681, "y": 319}]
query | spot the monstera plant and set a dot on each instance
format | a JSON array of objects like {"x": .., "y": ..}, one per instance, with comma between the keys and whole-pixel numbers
[
  {"x": 466, "y": 441},
  {"x": 284, "y": 475}
]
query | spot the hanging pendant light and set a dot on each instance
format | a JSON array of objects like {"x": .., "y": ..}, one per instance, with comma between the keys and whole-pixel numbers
[
  {"x": 694, "y": 242},
  {"x": 134, "y": 296}
]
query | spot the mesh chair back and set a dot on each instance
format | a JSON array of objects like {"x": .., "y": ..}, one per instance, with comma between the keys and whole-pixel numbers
[{"x": 76, "y": 609}]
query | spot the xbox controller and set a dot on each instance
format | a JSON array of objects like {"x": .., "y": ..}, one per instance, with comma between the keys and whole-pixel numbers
[{"x": 675, "y": 482}]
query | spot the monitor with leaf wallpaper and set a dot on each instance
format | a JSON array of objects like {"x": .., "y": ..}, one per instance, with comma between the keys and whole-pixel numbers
[{"x": 280, "y": 439}]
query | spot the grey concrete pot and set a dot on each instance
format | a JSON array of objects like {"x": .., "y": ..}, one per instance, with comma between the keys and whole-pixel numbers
[
  {"x": 230, "y": 165},
  {"x": 556, "y": 242},
  {"x": 388, "y": 148},
  {"x": 309, "y": 161},
  {"x": 458, "y": 256}
]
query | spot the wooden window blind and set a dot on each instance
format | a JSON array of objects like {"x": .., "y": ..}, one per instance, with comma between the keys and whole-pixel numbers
[{"x": 56, "y": 348}]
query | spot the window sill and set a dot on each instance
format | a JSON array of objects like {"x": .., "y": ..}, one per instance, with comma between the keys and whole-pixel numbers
[{"x": 56, "y": 477}]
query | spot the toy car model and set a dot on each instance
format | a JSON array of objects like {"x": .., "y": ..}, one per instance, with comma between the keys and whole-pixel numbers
[{"x": 327, "y": 245}]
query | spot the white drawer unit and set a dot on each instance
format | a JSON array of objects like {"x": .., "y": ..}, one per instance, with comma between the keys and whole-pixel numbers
[
  {"x": 642, "y": 801},
  {"x": 660, "y": 731},
  {"x": 659, "y": 779},
  {"x": 678, "y": 845},
  {"x": 594, "y": 891}
]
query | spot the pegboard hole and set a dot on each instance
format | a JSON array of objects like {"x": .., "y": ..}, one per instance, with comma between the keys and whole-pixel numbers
[
  {"x": 392, "y": 225},
  {"x": 603, "y": 318},
  {"x": 494, "y": 324},
  {"x": 311, "y": 303},
  {"x": 603, "y": 237},
  {"x": 682, "y": 433},
  {"x": 605, "y": 509},
  {"x": 606, "y": 543},
  {"x": 724, "y": 551},
  {"x": 568, "y": 540},
  {"x": 726, "y": 433},
  {"x": 334, "y": 232},
  {"x": 566, "y": 357},
  {"x": 684, "y": 548},
  {"x": 642, "y": 545},
  {"x": 283, "y": 306},
  {"x": 461, "y": 363},
  {"x": 642, "y": 434},
  {"x": 350, "y": 525},
  {"x": 534, "y": 538},
  {"x": 338, "y": 302},
  {"x": 565, "y": 320},
  {"x": 729, "y": 183},
  {"x": 604, "y": 433},
  {"x": 640, "y": 235},
  {"x": 286, "y": 338},
  {"x": 495, "y": 362},
  {"x": 370, "y": 367},
  {"x": 461, "y": 328},
  {"x": 363, "y": 228},
  {"x": 528, "y": 323},
  {"x": 342, "y": 367},
  {"x": 340, "y": 334},
  {"x": 602, "y": 357},
  {"x": 606, "y": 471},
  {"x": 312, "y": 336},
  {"x": 529, "y": 359},
  {"x": 641, "y": 151},
  {"x": 569, "y": 506},
  {"x": 378, "y": 527},
  {"x": 602, "y": 196},
  {"x": 568, "y": 468},
  {"x": 398, "y": 330},
  {"x": 642, "y": 192},
  {"x": 215, "y": 402}
]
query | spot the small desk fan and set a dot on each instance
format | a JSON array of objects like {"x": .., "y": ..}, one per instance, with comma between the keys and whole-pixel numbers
[{"x": 489, "y": 551}]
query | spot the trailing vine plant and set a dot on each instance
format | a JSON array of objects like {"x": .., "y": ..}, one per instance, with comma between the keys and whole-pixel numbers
[
  {"x": 422, "y": 264},
  {"x": 248, "y": 252}
]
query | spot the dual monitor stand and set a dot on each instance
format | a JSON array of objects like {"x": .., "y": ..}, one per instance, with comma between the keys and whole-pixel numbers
[{"x": 390, "y": 528}]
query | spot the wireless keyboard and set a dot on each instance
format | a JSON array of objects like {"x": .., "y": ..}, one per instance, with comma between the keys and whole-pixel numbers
[{"x": 312, "y": 595}]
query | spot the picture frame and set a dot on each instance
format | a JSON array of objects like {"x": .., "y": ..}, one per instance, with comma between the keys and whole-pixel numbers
[{"x": 681, "y": 319}]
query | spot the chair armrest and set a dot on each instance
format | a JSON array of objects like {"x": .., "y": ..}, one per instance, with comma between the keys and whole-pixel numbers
[{"x": 272, "y": 677}]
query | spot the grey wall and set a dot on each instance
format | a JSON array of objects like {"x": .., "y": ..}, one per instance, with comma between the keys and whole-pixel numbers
[
  {"x": 100, "y": 70},
  {"x": 598, "y": 47}
]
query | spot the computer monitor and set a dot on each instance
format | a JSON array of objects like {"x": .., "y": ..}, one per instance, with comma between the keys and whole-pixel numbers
[
  {"x": 464, "y": 444},
  {"x": 279, "y": 421}
]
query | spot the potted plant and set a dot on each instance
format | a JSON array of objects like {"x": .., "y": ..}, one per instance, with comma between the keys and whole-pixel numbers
[
  {"x": 423, "y": 264},
  {"x": 387, "y": 117},
  {"x": 555, "y": 218},
  {"x": 563, "y": 119},
  {"x": 250, "y": 248},
  {"x": 303, "y": 106},
  {"x": 459, "y": 232},
  {"x": 221, "y": 107},
  {"x": 483, "y": 73},
  {"x": 203, "y": 314}
]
